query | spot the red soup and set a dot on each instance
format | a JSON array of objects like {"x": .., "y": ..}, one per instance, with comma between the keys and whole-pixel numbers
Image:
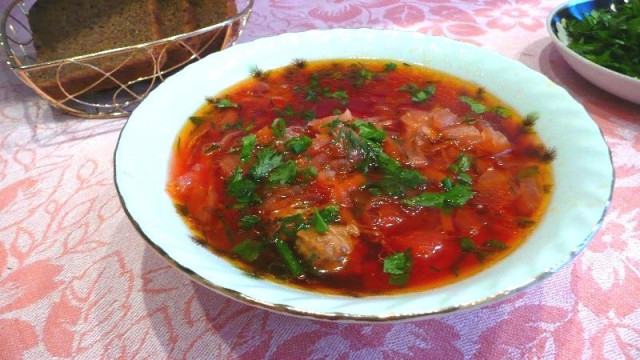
[{"x": 359, "y": 177}]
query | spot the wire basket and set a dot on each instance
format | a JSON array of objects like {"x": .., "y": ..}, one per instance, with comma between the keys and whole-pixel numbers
[{"x": 113, "y": 82}]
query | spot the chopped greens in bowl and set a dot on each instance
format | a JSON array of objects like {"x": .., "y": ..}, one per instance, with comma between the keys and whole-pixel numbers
[{"x": 601, "y": 42}]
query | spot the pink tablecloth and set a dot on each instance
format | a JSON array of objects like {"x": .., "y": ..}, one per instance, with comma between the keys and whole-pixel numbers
[{"x": 77, "y": 281}]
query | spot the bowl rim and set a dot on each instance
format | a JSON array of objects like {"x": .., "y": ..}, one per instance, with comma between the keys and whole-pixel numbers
[{"x": 340, "y": 316}]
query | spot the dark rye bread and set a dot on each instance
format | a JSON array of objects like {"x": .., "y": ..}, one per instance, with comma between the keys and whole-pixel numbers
[{"x": 67, "y": 28}]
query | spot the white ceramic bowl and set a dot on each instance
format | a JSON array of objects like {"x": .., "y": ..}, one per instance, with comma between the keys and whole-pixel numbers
[
  {"x": 623, "y": 86},
  {"x": 583, "y": 170}
]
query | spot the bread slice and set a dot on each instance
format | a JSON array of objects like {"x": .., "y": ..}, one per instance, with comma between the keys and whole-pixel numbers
[{"x": 66, "y": 28}]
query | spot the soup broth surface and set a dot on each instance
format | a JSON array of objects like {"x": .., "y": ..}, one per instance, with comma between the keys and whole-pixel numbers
[{"x": 359, "y": 177}]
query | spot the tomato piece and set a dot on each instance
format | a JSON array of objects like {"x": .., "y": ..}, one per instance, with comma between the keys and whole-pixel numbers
[
  {"x": 530, "y": 196},
  {"x": 424, "y": 243},
  {"x": 468, "y": 221}
]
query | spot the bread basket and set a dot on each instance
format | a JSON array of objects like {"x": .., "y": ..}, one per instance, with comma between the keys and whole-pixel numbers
[{"x": 121, "y": 97}]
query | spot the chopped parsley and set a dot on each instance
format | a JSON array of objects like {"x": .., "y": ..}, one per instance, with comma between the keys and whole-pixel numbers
[
  {"x": 398, "y": 266},
  {"x": 284, "y": 174},
  {"x": 196, "y": 120},
  {"x": 330, "y": 213},
  {"x": 222, "y": 103},
  {"x": 462, "y": 164},
  {"x": 248, "y": 143},
  {"x": 290, "y": 225},
  {"x": 248, "y": 250},
  {"x": 609, "y": 38},
  {"x": 390, "y": 66},
  {"x": 309, "y": 172},
  {"x": 476, "y": 107},
  {"x": 368, "y": 131},
  {"x": 504, "y": 112},
  {"x": 268, "y": 159},
  {"x": 457, "y": 196},
  {"x": 244, "y": 190},
  {"x": 418, "y": 95},
  {"x": 468, "y": 245}
]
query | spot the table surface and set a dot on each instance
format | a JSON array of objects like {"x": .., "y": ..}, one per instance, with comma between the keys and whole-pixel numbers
[{"x": 77, "y": 280}]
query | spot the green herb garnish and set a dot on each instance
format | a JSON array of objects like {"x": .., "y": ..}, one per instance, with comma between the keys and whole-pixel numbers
[
  {"x": 299, "y": 144},
  {"x": 284, "y": 174},
  {"x": 196, "y": 120},
  {"x": 341, "y": 95},
  {"x": 457, "y": 196},
  {"x": 368, "y": 131},
  {"x": 293, "y": 264},
  {"x": 467, "y": 245},
  {"x": 290, "y": 225},
  {"x": 223, "y": 103},
  {"x": 248, "y": 221},
  {"x": 309, "y": 172},
  {"x": 502, "y": 111},
  {"x": 609, "y": 38},
  {"x": 330, "y": 214},
  {"x": 447, "y": 184},
  {"x": 464, "y": 178},
  {"x": 462, "y": 164},
  {"x": 418, "y": 95},
  {"x": 318, "y": 223},
  {"x": 278, "y": 126},
  {"x": 248, "y": 143},
  {"x": 476, "y": 107},
  {"x": 244, "y": 190},
  {"x": 268, "y": 159},
  {"x": 248, "y": 250},
  {"x": 398, "y": 266}
]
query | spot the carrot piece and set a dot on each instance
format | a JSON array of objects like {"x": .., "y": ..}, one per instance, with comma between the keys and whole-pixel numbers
[
  {"x": 393, "y": 149},
  {"x": 342, "y": 188},
  {"x": 432, "y": 173},
  {"x": 264, "y": 136},
  {"x": 447, "y": 222}
]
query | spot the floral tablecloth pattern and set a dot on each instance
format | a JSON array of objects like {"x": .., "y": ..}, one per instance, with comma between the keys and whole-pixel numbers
[{"x": 77, "y": 281}]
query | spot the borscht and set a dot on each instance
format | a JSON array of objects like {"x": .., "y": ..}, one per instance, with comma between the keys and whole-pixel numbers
[{"x": 359, "y": 176}]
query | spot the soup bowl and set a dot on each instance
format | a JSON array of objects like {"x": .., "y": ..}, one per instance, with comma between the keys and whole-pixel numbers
[{"x": 583, "y": 171}]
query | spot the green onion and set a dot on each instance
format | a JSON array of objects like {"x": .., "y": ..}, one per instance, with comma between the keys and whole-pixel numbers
[
  {"x": 248, "y": 143},
  {"x": 318, "y": 223},
  {"x": 278, "y": 126},
  {"x": 249, "y": 221},
  {"x": 298, "y": 144},
  {"x": 289, "y": 258}
]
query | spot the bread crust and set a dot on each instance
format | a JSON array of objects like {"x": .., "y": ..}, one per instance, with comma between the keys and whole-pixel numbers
[{"x": 112, "y": 24}]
